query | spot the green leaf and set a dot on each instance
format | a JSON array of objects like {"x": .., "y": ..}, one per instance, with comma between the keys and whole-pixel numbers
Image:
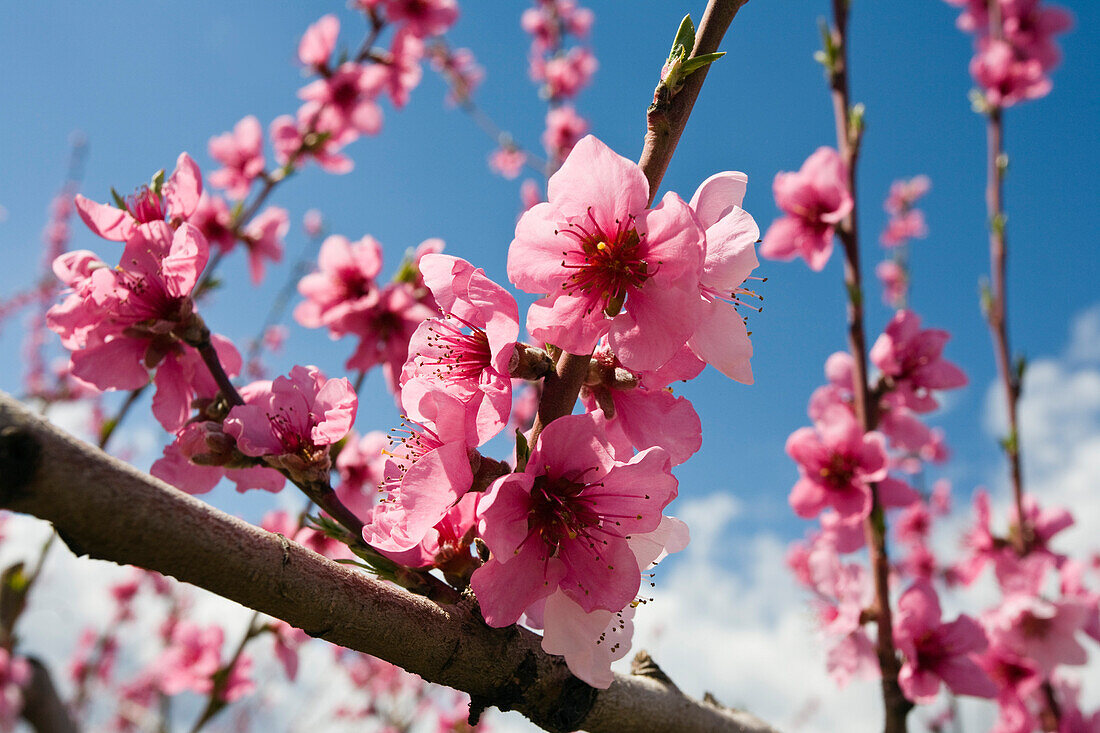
[
  {"x": 523, "y": 450},
  {"x": 157, "y": 182},
  {"x": 685, "y": 37},
  {"x": 119, "y": 201},
  {"x": 698, "y": 62}
]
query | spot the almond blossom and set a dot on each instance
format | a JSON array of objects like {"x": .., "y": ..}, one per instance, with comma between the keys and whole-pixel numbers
[
  {"x": 838, "y": 463},
  {"x": 815, "y": 199},
  {"x": 721, "y": 338},
  {"x": 292, "y": 424},
  {"x": 564, "y": 522},
  {"x": 241, "y": 154},
  {"x": 609, "y": 264},
  {"x": 936, "y": 651},
  {"x": 176, "y": 199},
  {"x": 470, "y": 349}
]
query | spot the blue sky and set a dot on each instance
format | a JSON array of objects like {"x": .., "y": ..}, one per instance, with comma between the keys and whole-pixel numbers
[{"x": 144, "y": 81}]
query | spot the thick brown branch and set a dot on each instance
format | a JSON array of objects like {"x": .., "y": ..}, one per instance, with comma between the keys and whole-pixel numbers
[{"x": 109, "y": 510}]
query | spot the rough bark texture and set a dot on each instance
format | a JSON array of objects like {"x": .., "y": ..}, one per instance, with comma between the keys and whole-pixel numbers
[{"x": 106, "y": 509}]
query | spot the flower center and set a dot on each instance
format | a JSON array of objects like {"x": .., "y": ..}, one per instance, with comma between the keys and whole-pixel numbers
[
  {"x": 559, "y": 511},
  {"x": 459, "y": 355},
  {"x": 607, "y": 265},
  {"x": 839, "y": 471},
  {"x": 145, "y": 206}
]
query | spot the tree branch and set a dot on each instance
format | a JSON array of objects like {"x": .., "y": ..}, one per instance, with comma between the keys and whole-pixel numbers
[
  {"x": 107, "y": 509},
  {"x": 666, "y": 118},
  {"x": 42, "y": 707}
]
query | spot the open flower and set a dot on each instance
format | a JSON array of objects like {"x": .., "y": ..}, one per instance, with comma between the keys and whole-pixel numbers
[
  {"x": 815, "y": 199},
  {"x": 721, "y": 338},
  {"x": 564, "y": 523},
  {"x": 469, "y": 349},
  {"x": 292, "y": 425},
  {"x": 609, "y": 264}
]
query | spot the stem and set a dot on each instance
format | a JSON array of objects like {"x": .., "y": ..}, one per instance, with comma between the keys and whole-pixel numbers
[
  {"x": 666, "y": 118},
  {"x": 217, "y": 371},
  {"x": 110, "y": 426},
  {"x": 997, "y": 318},
  {"x": 215, "y": 702},
  {"x": 848, "y": 139}
]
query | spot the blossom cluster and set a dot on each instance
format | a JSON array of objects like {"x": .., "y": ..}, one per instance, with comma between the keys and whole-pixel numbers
[
  {"x": 1016, "y": 50},
  {"x": 906, "y": 222}
]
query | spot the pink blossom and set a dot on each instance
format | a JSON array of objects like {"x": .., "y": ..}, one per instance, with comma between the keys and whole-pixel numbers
[
  {"x": 904, "y": 193},
  {"x": 385, "y": 330},
  {"x": 912, "y": 358},
  {"x": 122, "y": 322},
  {"x": 304, "y": 135},
  {"x": 241, "y": 154},
  {"x": 461, "y": 69},
  {"x": 1005, "y": 77},
  {"x": 191, "y": 659},
  {"x": 213, "y": 218},
  {"x": 344, "y": 285},
  {"x": 287, "y": 640},
  {"x": 563, "y": 522},
  {"x": 447, "y": 544},
  {"x": 721, "y": 338},
  {"x": 238, "y": 683},
  {"x": 15, "y": 675},
  {"x": 895, "y": 283},
  {"x": 292, "y": 425},
  {"x": 508, "y": 161},
  {"x": 428, "y": 472},
  {"x": 313, "y": 223},
  {"x": 470, "y": 349},
  {"x": 564, "y": 129},
  {"x": 837, "y": 463},
  {"x": 594, "y": 246},
  {"x": 815, "y": 199},
  {"x": 637, "y": 410},
  {"x": 565, "y": 75},
  {"x": 202, "y": 454},
  {"x": 589, "y": 641},
  {"x": 1038, "y": 630},
  {"x": 936, "y": 651},
  {"x": 851, "y": 657},
  {"x": 844, "y": 591},
  {"x": 318, "y": 41},
  {"x": 264, "y": 239},
  {"x": 404, "y": 71},
  {"x": 348, "y": 94},
  {"x": 361, "y": 465},
  {"x": 900, "y": 229},
  {"x": 176, "y": 200},
  {"x": 423, "y": 17}
]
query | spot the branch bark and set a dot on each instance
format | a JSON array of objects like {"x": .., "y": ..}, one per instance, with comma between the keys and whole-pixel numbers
[
  {"x": 42, "y": 707},
  {"x": 106, "y": 509}
]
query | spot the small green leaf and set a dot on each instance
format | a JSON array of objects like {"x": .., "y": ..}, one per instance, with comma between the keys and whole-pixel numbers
[
  {"x": 523, "y": 450},
  {"x": 685, "y": 37},
  {"x": 698, "y": 62},
  {"x": 119, "y": 201},
  {"x": 158, "y": 182},
  {"x": 985, "y": 296}
]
